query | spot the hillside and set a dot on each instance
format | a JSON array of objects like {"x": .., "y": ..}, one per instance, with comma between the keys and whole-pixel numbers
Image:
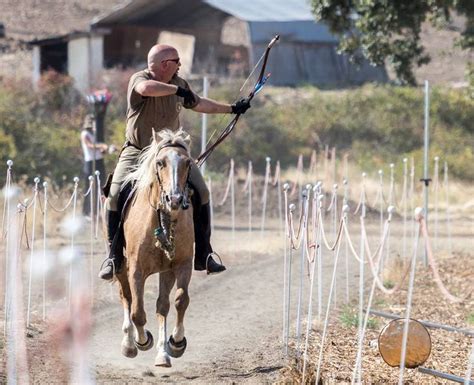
[{"x": 448, "y": 62}]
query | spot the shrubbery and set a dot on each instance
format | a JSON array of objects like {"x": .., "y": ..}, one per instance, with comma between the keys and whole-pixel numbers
[
  {"x": 376, "y": 125},
  {"x": 39, "y": 130}
]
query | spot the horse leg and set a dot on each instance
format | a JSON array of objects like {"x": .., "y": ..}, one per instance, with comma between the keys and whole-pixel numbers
[
  {"x": 177, "y": 343},
  {"x": 143, "y": 337},
  {"x": 128, "y": 346},
  {"x": 167, "y": 280}
]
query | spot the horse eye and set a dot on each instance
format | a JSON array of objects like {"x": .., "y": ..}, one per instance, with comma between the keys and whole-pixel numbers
[{"x": 160, "y": 163}]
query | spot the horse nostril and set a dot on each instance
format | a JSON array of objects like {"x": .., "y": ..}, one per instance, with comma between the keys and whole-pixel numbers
[{"x": 167, "y": 198}]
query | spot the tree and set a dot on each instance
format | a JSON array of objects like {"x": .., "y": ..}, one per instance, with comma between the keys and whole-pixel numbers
[{"x": 390, "y": 29}]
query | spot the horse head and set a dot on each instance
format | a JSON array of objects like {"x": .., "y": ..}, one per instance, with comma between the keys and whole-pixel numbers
[
  {"x": 165, "y": 163},
  {"x": 172, "y": 167}
]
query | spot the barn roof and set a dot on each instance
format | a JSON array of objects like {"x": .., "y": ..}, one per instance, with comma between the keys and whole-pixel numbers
[
  {"x": 254, "y": 10},
  {"x": 292, "y": 19},
  {"x": 264, "y": 10},
  {"x": 304, "y": 31}
]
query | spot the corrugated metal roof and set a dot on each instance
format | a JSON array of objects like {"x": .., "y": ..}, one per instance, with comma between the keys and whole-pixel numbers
[
  {"x": 301, "y": 31},
  {"x": 247, "y": 10},
  {"x": 265, "y": 10}
]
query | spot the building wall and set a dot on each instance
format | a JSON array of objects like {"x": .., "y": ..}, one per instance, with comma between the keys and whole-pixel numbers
[
  {"x": 235, "y": 32},
  {"x": 296, "y": 64},
  {"x": 127, "y": 46},
  {"x": 36, "y": 58},
  {"x": 85, "y": 60},
  {"x": 79, "y": 62},
  {"x": 16, "y": 65},
  {"x": 97, "y": 59}
]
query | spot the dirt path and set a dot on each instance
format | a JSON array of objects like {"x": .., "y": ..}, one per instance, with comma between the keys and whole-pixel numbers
[{"x": 233, "y": 325}]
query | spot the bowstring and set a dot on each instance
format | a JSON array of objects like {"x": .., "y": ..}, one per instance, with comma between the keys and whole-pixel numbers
[
  {"x": 251, "y": 73},
  {"x": 239, "y": 94}
]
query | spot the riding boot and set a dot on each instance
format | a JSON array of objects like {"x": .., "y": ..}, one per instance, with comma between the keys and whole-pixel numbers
[
  {"x": 202, "y": 237},
  {"x": 114, "y": 261}
]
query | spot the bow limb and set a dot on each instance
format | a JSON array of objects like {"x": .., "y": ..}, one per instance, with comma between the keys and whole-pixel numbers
[
  {"x": 265, "y": 59},
  {"x": 226, "y": 131}
]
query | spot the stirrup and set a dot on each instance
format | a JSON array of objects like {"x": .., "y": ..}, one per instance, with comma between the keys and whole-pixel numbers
[
  {"x": 207, "y": 262},
  {"x": 104, "y": 264}
]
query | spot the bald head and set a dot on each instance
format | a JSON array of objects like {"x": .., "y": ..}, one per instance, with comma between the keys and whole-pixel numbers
[{"x": 160, "y": 52}]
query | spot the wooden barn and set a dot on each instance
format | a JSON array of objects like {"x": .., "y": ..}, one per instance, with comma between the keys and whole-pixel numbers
[
  {"x": 216, "y": 37},
  {"x": 226, "y": 37}
]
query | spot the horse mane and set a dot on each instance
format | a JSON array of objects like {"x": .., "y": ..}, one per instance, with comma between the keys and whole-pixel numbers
[{"x": 144, "y": 172}]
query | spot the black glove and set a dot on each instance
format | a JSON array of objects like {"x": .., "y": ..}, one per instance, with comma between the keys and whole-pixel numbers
[
  {"x": 187, "y": 94},
  {"x": 240, "y": 106}
]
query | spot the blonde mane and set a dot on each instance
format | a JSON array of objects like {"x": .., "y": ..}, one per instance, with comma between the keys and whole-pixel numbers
[{"x": 144, "y": 172}]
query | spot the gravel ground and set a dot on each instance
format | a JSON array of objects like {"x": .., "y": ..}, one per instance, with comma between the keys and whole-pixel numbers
[{"x": 450, "y": 350}]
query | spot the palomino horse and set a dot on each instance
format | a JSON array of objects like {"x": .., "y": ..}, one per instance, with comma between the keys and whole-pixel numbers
[{"x": 159, "y": 236}]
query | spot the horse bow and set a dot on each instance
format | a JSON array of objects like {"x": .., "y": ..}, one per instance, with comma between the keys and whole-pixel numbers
[{"x": 262, "y": 79}]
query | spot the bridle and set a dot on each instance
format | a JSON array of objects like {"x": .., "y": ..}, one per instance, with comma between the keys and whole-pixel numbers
[
  {"x": 164, "y": 197},
  {"x": 165, "y": 231}
]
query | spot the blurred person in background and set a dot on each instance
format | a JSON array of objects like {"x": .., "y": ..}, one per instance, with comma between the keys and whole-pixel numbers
[{"x": 93, "y": 159}]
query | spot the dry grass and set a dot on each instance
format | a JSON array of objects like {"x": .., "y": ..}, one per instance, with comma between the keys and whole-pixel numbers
[
  {"x": 460, "y": 194},
  {"x": 449, "y": 350}
]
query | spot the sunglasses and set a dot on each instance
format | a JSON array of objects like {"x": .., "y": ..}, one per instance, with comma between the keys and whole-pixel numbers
[{"x": 173, "y": 60}]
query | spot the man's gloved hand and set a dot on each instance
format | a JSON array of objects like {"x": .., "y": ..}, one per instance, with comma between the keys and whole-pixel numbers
[
  {"x": 240, "y": 106},
  {"x": 187, "y": 94}
]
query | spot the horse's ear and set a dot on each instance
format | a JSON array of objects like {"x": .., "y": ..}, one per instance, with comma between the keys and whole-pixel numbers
[
  {"x": 186, "y": 137},
  {"x": 156, "y": 136}
]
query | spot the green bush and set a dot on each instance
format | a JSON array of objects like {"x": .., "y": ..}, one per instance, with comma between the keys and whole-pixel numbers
[
  {"x": 40, "y": 130},
  {"x": 376, "y": 125}
]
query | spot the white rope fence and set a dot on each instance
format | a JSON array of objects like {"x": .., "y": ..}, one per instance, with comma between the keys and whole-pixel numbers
[
  {"x": 304, "y": 232},
  {"x": 39, "y": 263},
  {"x": 307, "y": 234},
  {"x": 265, "y": 193},
  {"x": 32, "y": 250}
]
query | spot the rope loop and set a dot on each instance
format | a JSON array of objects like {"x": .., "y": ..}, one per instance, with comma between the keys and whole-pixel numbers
[{"x": 229, "y": 182}]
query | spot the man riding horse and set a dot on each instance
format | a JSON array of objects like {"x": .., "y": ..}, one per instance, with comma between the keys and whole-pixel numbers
[{"x": 155, "y": 97}]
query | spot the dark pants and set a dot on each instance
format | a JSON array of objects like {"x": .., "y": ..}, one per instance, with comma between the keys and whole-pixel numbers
[
  {"x": 128, "y": 159},
  {"x": 89, "y": 170}
]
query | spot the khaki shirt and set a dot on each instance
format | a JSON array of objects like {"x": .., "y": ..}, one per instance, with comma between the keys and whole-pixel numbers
[{"x": 147, "y": 113}]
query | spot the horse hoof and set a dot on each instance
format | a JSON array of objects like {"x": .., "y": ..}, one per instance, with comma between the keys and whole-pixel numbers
[
  {"x": 129, "y": 352},
  {"x": 176, "y": 349},
  {"x": 148, "y": 344},
  {"x": 163, "y": 360}
]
